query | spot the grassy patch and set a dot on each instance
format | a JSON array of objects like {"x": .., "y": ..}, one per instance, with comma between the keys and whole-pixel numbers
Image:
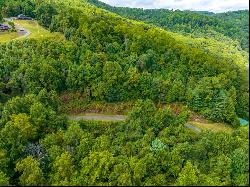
[
  {"x": 216, "y": 127},
  {"x": 36, "y": 31},
  {"x": 7, "y": 36}
]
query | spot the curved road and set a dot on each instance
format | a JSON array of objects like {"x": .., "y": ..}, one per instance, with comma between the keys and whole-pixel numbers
[
  {"x": 196, "y": 129},
  {"x": 22, "y": 32},
  {"x": 98, "y": 117}
]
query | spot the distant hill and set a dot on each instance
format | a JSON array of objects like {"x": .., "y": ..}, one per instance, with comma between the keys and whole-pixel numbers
[
  {"x": 234, "y": 25},
  {"x": 204, "y": 12}
]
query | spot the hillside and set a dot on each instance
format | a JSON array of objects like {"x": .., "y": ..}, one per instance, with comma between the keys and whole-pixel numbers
[
  {"x": 221, "y": 26},
  {"x": 141, "y": 51},
  {"x": 161, "y": 77}
]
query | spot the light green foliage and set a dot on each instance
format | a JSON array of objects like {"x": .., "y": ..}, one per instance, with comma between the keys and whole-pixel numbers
[
  {"x": 158, "y": 180},
  {"x": 18, "y": 129},
  {"x": 38, "y": 114},
  {"x": 157, "y": 145},
  {"x": 130, "y": 153},
  {"x": 31, "y": 172},
  {"x": 4, "y": 180},
  {"x": 188, "y": 176},
  {"x": 63, "y": 170},
  {"x": 96, "y": 168},
  {"x": 73, "y": 135},
  {"x": 121, "y": 175},
  {"x": 16, "y": 134},
  {"x": 221, "y": 169},
  {"x": 139, "y": 171},
  {"x": 42, "y": 116},
  {"x": 240, "y": 166}
]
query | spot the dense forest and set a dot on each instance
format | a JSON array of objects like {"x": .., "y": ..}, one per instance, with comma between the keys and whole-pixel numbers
[
  {"x": 221, "y": 26},
  {"x": 110, "y": 58}
]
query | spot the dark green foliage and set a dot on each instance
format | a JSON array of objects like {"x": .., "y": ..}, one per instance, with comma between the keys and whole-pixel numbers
[
  {"x": 44, "y": 13},
  {"x": 11, "y": 8}
]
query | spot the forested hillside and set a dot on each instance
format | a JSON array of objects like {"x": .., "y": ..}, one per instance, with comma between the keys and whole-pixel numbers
[
  {"x": 221, "y": 26},
  {"x": 109, "y": 58}
]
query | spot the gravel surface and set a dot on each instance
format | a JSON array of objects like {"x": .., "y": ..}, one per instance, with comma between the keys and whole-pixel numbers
[
  {"x": 196, "y": 129},
  {"x": 98, "y": 117}
]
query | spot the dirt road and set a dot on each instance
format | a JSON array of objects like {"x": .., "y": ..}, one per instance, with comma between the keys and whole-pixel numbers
[
  {"x": 102, "y": 117},
  {"x": 98, "y": 117}
]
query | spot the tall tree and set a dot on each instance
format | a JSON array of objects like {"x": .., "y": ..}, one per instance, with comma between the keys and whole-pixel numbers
[
  {"x": 31, "y": 172},
  {"x": 188, "y": 176}
]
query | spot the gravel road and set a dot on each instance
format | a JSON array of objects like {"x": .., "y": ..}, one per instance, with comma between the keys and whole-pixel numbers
[
  {"x": 196, "y": 129},
  {"x": 98, "y": 117}
]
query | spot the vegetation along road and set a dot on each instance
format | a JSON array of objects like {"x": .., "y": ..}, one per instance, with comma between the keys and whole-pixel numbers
[{"x": 103, "y": 117}]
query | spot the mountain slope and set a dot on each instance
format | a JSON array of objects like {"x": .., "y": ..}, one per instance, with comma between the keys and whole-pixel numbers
[
  {"x": 134, "y": 60},
  {"x": 233, "y": 25}
]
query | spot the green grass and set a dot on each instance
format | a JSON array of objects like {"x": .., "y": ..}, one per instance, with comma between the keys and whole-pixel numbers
[
  {"x": 216, "y": 127},
  {"x": 7, "y": 36},
  {"x": 35, "y": 29}
]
